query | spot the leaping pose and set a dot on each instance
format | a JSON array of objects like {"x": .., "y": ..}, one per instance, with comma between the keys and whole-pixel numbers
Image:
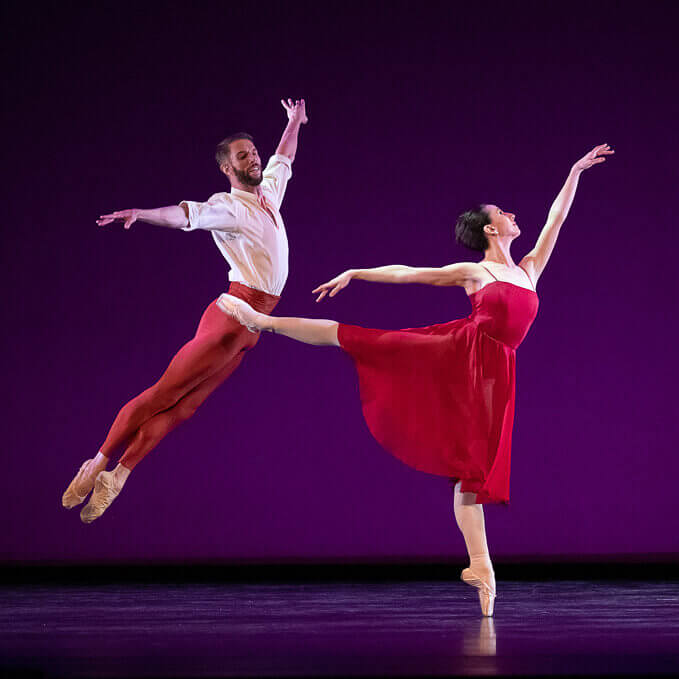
[
  {"x": 248, "y": 229},
  {"x": 441, "y": 398}
]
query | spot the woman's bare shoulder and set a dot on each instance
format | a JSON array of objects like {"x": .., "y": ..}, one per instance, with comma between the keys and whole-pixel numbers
[
  {"x": 471, "y": 269},
  {"x": 529, "y": 266},
  {"x": 469, "y": 275}
]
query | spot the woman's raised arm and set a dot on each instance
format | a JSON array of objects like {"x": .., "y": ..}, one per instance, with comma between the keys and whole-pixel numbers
[
  {"x": 536, "y": 260},
  {"x": 453, "y": 274}
]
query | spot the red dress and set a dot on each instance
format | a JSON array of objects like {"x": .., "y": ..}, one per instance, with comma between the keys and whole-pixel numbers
[{"x": 441, "y": 398}]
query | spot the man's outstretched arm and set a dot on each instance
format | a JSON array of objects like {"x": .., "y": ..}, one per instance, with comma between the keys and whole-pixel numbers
[
  {"x": 296, "y": 118},
  {"x": 173, "y": 216}
]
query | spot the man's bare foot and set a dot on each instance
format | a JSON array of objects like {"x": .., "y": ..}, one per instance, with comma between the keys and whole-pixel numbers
[{"x": 242, "y": 312}]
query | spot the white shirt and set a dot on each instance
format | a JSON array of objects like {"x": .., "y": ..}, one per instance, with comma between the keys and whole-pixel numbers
[{"x": 255, "y": 247}]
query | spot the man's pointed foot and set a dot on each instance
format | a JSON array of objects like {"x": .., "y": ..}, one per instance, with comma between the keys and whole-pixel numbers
[
  {"x": 106, "y": 489},
  {"x": 80, "y": 487}
]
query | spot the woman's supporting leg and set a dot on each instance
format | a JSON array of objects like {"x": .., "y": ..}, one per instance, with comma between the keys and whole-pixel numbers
[
  {"x": 308, "y": 330},
  {"x": 470, "y": 521}
]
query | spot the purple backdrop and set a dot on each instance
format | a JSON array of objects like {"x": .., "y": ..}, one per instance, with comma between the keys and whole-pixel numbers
[{"x": 415, "y": 111}]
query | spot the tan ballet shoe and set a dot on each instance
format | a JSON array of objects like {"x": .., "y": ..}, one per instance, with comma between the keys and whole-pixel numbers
[
  {"x": 79, "y": 488},
  {"x": 106, "y": 489},
  {"x": 487, "y": 593},
  {"x": 239, "y": 310}
]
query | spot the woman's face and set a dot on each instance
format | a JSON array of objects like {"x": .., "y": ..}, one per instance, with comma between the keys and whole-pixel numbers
[{"x": 502, "y": 224}]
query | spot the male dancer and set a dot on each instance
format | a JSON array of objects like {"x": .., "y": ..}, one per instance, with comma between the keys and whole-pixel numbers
[{"x": 248, "y": 229}]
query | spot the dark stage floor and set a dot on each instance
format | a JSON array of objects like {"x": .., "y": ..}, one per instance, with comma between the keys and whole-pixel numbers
[{"x": 411, "y": 628}]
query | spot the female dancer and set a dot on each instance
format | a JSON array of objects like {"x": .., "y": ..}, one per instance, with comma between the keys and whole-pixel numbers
[{"x": 441, "y": 398}]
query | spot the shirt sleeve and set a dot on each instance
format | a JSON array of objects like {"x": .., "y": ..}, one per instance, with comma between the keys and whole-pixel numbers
[
  {"x": 219, "y": 213},
  {"x": 276, "y": 176}
]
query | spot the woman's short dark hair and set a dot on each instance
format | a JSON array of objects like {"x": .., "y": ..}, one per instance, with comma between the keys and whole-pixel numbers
[
  {"x": 223, "y": 148},
  {"x": 469, "y": 228}
]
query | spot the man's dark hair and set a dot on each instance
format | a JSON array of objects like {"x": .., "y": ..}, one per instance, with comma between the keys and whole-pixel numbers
[
  {"x": 222, "y": 153},
  {"x": 469, "y": 228}
]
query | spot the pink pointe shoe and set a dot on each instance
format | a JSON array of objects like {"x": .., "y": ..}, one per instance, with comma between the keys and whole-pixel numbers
[
  {"x": 486, "y": 591},
  {"x": 239, "y": 310},
  {"x": 79, "y": 488}
]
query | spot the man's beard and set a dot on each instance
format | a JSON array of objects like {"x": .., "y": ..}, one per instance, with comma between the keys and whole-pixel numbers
[{"x": 247, "y": 179}]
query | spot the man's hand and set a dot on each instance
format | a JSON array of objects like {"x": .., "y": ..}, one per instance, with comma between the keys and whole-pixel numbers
[
  {"x": 172, "y": 216},
  {"x": 128, "y": 217},
  {"x": 296, "y": 111},
  {"x": 596, "y": 155},
  {"x": 296, "y": 118},
  {"x": 335, "y": 285}
]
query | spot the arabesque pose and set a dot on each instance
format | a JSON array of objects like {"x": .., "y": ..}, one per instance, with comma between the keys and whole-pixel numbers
[
  {"x": 441, "y": 398},
  {"x": 248, "y": 229}
]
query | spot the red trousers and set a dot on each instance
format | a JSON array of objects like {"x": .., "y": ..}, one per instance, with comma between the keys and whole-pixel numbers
[{"x": 197, "y": 369}]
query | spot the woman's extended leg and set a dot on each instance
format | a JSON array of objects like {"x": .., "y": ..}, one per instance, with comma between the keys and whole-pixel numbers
[
  {"x": 470, "y": 521},
  {"x": 308, "y": 330}
]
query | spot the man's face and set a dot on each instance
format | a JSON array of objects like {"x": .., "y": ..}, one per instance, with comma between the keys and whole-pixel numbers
[{"x": 244, "y": 162}]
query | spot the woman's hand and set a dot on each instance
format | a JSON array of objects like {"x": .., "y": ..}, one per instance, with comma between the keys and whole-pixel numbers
[
  {"x": 128, "y": 217},
  {"x": 335, "y": 285},
  {"x": 596, "y": 155}
]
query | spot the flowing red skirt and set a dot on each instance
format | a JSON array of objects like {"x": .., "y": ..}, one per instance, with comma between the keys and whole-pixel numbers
[{"x": 441, "y": 399}]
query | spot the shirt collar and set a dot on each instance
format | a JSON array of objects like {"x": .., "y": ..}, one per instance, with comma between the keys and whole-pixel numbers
[{"x": 238, "y": 193}]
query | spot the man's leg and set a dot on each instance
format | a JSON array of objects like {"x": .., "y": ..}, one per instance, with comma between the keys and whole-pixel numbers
[
  {"x": 217, "y": 342},
  {"x": 150, "y": 434},
  {"x": 195, "y": 362},
  {"x": 109, "y": 484}
]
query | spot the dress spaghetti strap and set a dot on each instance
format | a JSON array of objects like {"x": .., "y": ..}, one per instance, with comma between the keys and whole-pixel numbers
[
  {"x": 490, "y": 272},
  {"x": 530, "y": 280}
]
